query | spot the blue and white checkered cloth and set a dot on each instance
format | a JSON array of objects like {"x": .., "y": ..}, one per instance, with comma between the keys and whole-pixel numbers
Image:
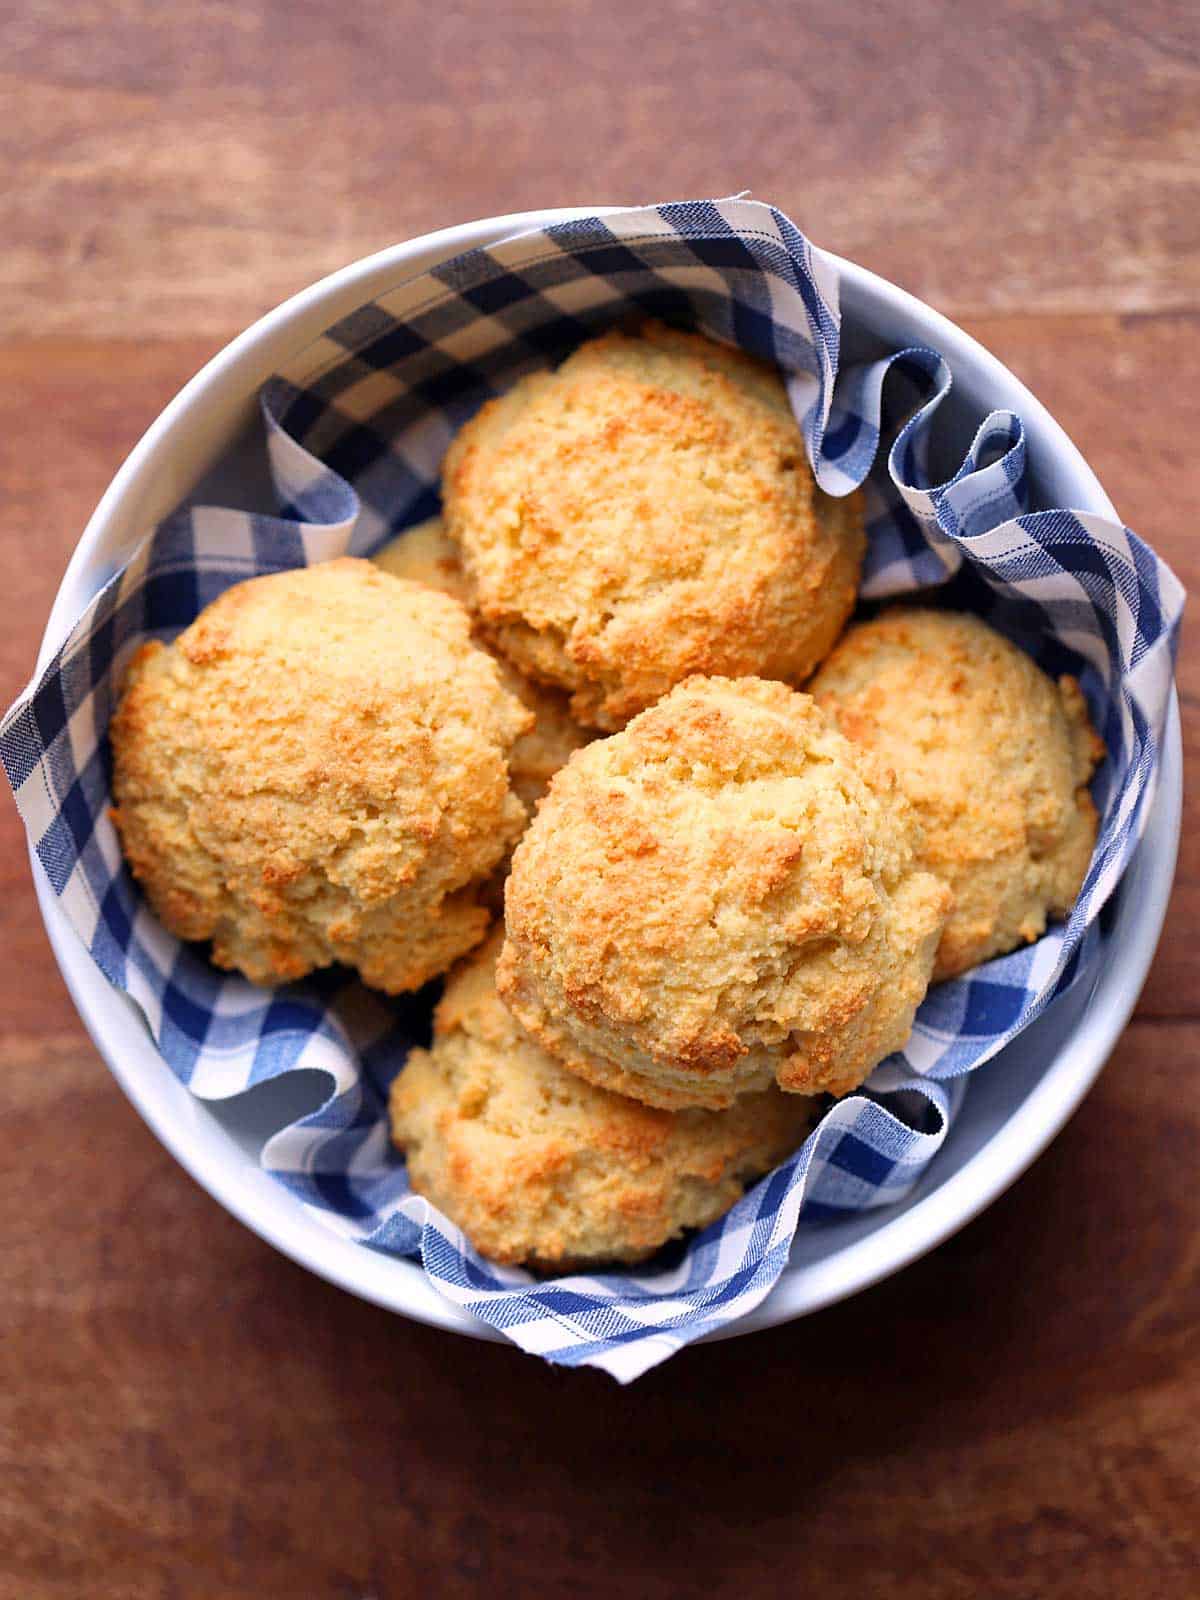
[{"x": 356, "y": 429}]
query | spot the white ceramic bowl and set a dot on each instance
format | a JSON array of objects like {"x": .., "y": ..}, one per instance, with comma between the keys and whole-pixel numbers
[{"x": 203, "y": 445}]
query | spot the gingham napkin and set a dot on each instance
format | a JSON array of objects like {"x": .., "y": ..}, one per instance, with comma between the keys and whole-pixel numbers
[{"x": 356, "y": 429}]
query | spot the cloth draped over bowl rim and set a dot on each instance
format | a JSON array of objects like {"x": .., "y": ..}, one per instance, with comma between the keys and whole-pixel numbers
[{"x": 356, "y": 425}]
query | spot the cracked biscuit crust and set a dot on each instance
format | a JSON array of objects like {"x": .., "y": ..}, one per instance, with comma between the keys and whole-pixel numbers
[
  {"x": 995, "y": 758},
  {"x": 316, "y": 771},
  {"x": 721, "y": 896},
  {"x": 646, "y": 512},
  {"x": 538, "y": 1167}
]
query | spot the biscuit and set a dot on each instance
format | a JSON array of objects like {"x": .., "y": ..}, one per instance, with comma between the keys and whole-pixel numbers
[
  {"x": 722, "y": 895},
  {"x": 316, "y": 771},
  {"x": 424, "y": 554},
  {"x": 995, "y": 758},
  {"x": 644, "y": 513},
  {"x": 539, "y": 1168}
]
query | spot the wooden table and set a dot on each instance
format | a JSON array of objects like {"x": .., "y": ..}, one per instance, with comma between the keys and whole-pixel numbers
[{"x": 184, "y": 1413}]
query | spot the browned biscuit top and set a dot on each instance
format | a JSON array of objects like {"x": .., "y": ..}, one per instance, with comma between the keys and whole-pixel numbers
[
  {"x": 995, "y": 758},
  {"x": 317, "y": 771},
  {"x": 722, "y": 895},
  {"x": 644, "y": 513}
]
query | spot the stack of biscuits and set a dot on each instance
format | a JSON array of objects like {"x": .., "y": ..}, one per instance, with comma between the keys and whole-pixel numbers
[{"x": 554, "y": 744}]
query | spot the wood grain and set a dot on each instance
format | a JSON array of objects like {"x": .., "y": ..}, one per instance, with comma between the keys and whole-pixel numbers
[
  {"x": 183, "y": 1413},
  {"x": 176, "y": 170},
  {"x": 188, "y": 1414}
]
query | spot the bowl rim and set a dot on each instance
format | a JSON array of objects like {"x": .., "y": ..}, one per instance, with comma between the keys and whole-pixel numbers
[{"x": 208, "y": 1153}]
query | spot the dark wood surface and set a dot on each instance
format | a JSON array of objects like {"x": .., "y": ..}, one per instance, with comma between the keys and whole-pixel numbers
[{"x": 184, "y": 1413}]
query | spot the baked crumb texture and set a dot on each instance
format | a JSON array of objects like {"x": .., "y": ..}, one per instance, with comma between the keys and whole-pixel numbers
[
  {"x": 316, "y": 771},
  {"x": 425, "y": 555},
  {"x": 995, "y": 758},
  {"x": 724, "y": 895},
  {"x": 644, "y": 513},
  {"x": 538, "y": 1167}
]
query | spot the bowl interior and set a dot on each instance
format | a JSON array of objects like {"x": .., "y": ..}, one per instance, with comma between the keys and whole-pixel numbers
[{"x": 207, "y": 447}]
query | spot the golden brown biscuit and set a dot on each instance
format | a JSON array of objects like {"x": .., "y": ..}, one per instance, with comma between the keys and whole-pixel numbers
[
  {"x": 425, "y": 555},
  {"x": 540, "y": 1168},
  {"x": 647, "y": 512},
  {"x": 722, "y": 895},
  {"x": 549, "y": 744},
  {"x": 995, "y": 758},
  {"x": 316, "y": 771}
]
